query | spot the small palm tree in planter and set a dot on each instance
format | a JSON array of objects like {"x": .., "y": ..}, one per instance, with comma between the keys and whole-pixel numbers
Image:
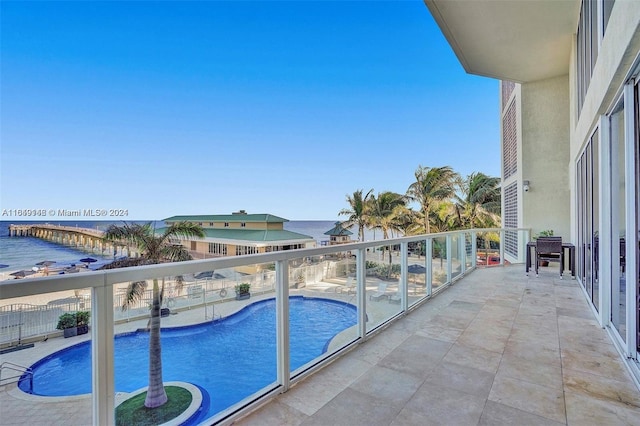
[
  {"x": 242, "y": 291},
  {"x": 154, "y": 247}
]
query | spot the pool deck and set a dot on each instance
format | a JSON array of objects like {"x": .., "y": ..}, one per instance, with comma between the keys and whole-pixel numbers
[{"x": 496, "y": 348}]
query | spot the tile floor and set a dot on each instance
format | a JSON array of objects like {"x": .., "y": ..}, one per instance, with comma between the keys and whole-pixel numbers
[{"x": 497, "y": 348}]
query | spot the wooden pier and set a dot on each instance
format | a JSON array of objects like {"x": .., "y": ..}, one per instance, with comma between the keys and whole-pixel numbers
[{"x": 81, "y": 238}]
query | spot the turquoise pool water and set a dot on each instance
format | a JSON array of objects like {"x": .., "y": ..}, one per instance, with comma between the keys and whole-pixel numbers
[{"x": 230, "y": 358}]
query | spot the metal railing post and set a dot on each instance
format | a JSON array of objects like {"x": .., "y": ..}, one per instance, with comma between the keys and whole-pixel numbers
[
  {"x": 449, "y": 243},
  {"x": 462, "y": 248},
  {"x": 474, "y": 249},
  {"x": 102, "y": 354},
  {"x": 404, "y": 287},
  {"x": 428, "y": 259},
  {"x": 282, "y": 324},
  {"x": 361, "y": 281}
]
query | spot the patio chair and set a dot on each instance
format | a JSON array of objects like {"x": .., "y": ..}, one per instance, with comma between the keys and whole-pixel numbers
[
  {"x": 395, "y": 297},
  {"x": 549, "y": 249},
  {"x": 349, "y": 287},
  {"x": 381, "y": 293}
]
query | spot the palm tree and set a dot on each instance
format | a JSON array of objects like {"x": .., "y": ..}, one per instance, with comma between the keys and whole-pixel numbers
[
  {"x": 383, "y": 211},
  {"x": 432, "y": 185},
  {"x": 357, "y": 211},
  {"x": 154, "y": 248},
  {"x": 478, "y": 205}
]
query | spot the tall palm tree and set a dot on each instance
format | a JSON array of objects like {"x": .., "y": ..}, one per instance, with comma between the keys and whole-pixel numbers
[
  {"x": 154, "y": 248},
  {"x": 478, "y": 205},
  {"x": 357, "y": 211},
  {"x": 382, "y": 211},
  {"x": 432, "y": 185}
]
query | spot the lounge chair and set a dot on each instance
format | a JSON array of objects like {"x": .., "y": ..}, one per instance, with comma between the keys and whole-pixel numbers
[
  {"x": 395, "y": 297},
  {"x": 349, "y": 287},
  {"x": 381, "y": 293}
]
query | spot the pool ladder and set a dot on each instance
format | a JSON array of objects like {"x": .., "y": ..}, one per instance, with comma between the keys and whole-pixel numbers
[{"x": 17, "y": 373}]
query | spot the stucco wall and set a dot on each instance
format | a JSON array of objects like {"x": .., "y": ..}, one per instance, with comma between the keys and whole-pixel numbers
[{"x": 545, "y": 155}]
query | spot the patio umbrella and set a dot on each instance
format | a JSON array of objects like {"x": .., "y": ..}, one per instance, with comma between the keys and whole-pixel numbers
[
  {"x": 21, "y": 274},
  {"x": 45, "y": 263},
  {"x": 88, "y": 260},
  {"x": 416, "y": 269}
]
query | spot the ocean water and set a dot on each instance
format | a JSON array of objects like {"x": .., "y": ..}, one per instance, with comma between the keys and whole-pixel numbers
[{"x": 24, "y": 252}]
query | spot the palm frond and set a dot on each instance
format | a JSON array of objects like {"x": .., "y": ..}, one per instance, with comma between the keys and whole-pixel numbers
[{"x": 135, "y": 292}]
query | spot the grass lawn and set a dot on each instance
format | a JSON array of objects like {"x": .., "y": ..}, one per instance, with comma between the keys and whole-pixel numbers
[{"x": 133, "y": 411}]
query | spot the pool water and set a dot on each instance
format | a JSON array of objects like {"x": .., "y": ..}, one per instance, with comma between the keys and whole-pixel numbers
[{"x": 230, "y": 358}]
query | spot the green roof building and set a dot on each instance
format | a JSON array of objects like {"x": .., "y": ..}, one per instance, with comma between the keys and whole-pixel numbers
[
  {"x": 241, "y": 233},
  {"x": 339, "y": 235}
]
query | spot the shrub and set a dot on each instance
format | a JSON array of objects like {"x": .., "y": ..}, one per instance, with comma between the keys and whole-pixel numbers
[
  {"x": 66, "y": 320},
  {"x": 243, "y": 288},
  {"x": 82, "y": 317}
]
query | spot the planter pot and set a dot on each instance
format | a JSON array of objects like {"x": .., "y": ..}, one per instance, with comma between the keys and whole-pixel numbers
[
  {"x": 70, "y": 332},
  {"x": 82, "y": 329},
  {"x": 243, "y": 296}
]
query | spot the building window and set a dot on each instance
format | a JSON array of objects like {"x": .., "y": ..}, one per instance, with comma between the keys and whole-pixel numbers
[
  {"x": 243, "y": 224},
  {"x": 211, "y": 224},
  {"x": 226, "y": 224},
  {"x": 587, "y": 47},
  {"x": 240, "y": 250},
  {"x": 509, "y": 142},
  {"x": 218, "y": 248}
]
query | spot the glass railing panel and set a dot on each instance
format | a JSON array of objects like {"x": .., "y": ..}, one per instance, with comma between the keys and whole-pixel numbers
[
  {"x": 383, "y": 297},
  {"x": 322, "y": 307},
  {"x": 417, "y": 276},
  {"x": 32, "y": 343},
  {"x": 439, "y": 262},
  {"x": 468, "y": 249},
  {"x": 488, "y": 249},
  {"x": 457, "y": 255}
]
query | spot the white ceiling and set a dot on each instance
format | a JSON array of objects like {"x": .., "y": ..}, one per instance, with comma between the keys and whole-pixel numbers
[{"x": 516, "y": 40}]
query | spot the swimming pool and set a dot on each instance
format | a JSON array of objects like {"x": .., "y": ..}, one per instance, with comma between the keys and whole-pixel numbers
[{"x": 230, "y": 358}]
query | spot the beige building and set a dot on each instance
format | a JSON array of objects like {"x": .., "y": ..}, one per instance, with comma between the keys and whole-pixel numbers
[
  {"x": 241, "y": 233},
  {"x": 569, "y": 114}
]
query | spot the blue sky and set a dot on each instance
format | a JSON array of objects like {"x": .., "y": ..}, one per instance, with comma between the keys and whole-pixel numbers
[{"x": 167, "y": 108}]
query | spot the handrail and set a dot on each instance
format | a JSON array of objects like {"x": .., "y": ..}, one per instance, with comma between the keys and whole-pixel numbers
[
  {"x": 38, "y": 285},
  {"x": 17, "y": 368}
]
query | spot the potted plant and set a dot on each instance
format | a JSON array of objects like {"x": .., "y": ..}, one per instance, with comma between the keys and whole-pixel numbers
[
  {"x": 82, "y": 321},
  {"x": 67, "y": 323},
  {"x": 242, "y": 291}
]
